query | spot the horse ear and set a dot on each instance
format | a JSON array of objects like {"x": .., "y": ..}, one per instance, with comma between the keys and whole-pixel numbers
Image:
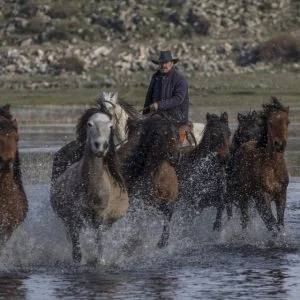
[
  {"x": 240, "y": 117},
  {"x": 207, "y": 116},
  {"x": 114, "y": 97},
  {"x": 7, "y": 108},
  {"x": 224, "y": 117}
]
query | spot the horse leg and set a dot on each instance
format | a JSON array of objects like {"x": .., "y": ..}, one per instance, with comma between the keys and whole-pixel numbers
[
  {"x": 99, "y": 240},
  {"x": 228, "y": 207},
  {"x": 167, "y": 209},
  {"x": 74, "y": 234},
  {"x": 265, "y": 211},
  {"x": 218, "y": 221},
  {"x": 280, "y": 208},
  {"x": 244, "y": 207}
]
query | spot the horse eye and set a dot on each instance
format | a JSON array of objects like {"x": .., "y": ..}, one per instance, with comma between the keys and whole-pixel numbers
[{"x": 89, "y": 124}]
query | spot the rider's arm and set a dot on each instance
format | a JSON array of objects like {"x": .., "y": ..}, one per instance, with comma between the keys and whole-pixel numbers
[{"x": 179, "y": 95}]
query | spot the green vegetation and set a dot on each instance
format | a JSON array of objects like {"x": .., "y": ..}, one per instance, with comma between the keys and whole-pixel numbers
[{"x": 245, "y": 91}]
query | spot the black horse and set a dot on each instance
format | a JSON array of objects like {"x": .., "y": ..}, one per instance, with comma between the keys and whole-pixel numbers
[{"x": 201, "y": 173}]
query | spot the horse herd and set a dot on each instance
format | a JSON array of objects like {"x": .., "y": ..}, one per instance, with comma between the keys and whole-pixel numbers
[{"x": 119, "y": 154}]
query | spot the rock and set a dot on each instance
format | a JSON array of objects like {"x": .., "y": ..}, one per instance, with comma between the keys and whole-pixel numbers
[{"x": 26, "y": 43}]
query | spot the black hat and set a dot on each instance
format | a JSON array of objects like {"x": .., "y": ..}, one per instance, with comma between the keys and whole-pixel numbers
[{"x": 164, "y": 57}]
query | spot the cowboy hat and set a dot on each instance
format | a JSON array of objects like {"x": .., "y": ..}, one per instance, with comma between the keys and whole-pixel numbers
[{"x": 165, "y": 56}]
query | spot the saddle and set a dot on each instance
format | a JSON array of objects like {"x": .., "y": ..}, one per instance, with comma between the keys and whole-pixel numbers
[{"x": 186, "y": 136}]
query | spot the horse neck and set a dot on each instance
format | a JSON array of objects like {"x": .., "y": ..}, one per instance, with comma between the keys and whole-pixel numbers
[
  {"x": 92, "y": 168},
  {"x": 7, "y": 179},
  {"x": 14, "y": 176},
  {"x": 201, "y": 150}
]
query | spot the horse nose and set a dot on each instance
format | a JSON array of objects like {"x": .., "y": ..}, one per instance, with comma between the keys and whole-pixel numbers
[
  {"x": 97, "y": 145},
  {"x": 105, "y": 146},
  {"x": 5, "y": 165},
  {"x": 280, "y": 145}
]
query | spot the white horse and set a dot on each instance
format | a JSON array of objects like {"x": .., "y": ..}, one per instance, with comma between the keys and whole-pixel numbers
[
  {"x": 198, "y": 129},
  {"x": 91, "y": 191},
  {"x": 121, "y": 111}
]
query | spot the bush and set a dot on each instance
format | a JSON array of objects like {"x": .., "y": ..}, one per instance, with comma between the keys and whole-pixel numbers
[
  {"x": 63, "y": 10},
  {"x": 72, "y": 64},
  {"x": 36, "y": 25}
]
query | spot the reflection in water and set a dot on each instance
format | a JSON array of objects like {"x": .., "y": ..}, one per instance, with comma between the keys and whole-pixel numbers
[{"x": 12, "y": 286}]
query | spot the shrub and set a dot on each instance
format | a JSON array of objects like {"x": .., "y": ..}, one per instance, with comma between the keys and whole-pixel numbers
[
  {"x": 36, "y": 25},
  {"x": 72, "y": 63}
]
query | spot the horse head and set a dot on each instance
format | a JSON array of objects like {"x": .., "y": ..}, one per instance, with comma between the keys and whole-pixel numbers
[
  {"x": 276, "y": 124},
  {"x": 99, "y": 133},
  {"x": 166, "y": 138},
  {"x": 8, "y": 139},
  {"x": 216, "y": 135},
  {"x": 249, "y": 128},
  {"x": 118, "y": 113}
]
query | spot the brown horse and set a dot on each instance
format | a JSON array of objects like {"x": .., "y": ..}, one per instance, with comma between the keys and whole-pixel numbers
[
  {"x": 201, "y": 174},
  {"x": 260, "y": 170},
  {"x": 13, "y": 201},
  {"x": 148, "y": 168},
  {"x": 91, "y": 191},
  {"x": 249, "y": 128}
]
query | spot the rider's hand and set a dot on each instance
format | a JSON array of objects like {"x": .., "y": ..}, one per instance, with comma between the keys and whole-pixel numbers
[{"x": 154, "y": 106}]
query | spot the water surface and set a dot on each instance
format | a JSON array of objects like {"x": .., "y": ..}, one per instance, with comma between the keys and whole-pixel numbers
[{"x": 198, "y": 263}]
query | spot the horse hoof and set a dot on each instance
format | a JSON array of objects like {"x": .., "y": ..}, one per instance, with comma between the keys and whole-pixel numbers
[
  {"x": 76, "y": 258},
  {"x": 217, "y": 227},
  {"x": 162, "y": 244}
]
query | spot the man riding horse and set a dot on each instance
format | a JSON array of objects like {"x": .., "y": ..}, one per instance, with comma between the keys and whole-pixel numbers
[
  {"x": 168, "y": 95},
  {"x": 168, "y": 90}
]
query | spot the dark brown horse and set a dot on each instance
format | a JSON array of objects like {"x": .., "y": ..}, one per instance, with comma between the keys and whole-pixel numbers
[
  {"x": 260, "y": 169},
  {"x": 148, "y": 168},
  {"x": 13, "y": 201},
  {"x": 201, "y": 174},
  {"x": 249, "y": 128}
]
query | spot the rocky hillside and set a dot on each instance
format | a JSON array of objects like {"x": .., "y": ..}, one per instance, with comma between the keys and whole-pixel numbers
[{"x": 105, "y": 42}]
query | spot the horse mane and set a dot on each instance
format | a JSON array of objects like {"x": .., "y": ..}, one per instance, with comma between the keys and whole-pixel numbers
[
  {"x": 268, "y": 108},
  {"x": 273, "y": 105},
  {"x": 101, "y": 107},
  {"x": 131, "y": 111},
  {"x": 250, "y": 118},
  {"x": 213, "y": 121},
  {"x": 150, "y": 129},
  {"x": 5, "y": 112},
  {"x": 18, "y": 172},
  {"x": 113, "y": 163},
  {"x": 82, "y": 121}
]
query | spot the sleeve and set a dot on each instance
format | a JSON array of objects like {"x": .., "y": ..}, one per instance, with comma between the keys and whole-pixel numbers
[
  {"x": 178, "y": 96},
  {"x": 148, "y": 99}
]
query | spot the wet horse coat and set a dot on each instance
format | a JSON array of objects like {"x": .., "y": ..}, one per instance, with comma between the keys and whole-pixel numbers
[
  {"x": 260, "y": 168},
  {"x": 91, "y": 191},
  {"x": 148, "y": 166},
  {"x": 201, "y": 173},
  {"x": 13, "y": 201}
]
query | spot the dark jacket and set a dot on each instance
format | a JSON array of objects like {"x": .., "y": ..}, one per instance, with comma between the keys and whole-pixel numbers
[{"x": 174, "y": 102}]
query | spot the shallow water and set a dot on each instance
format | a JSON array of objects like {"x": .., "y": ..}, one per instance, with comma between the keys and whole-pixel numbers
[{"x": 198, "y": 263}]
